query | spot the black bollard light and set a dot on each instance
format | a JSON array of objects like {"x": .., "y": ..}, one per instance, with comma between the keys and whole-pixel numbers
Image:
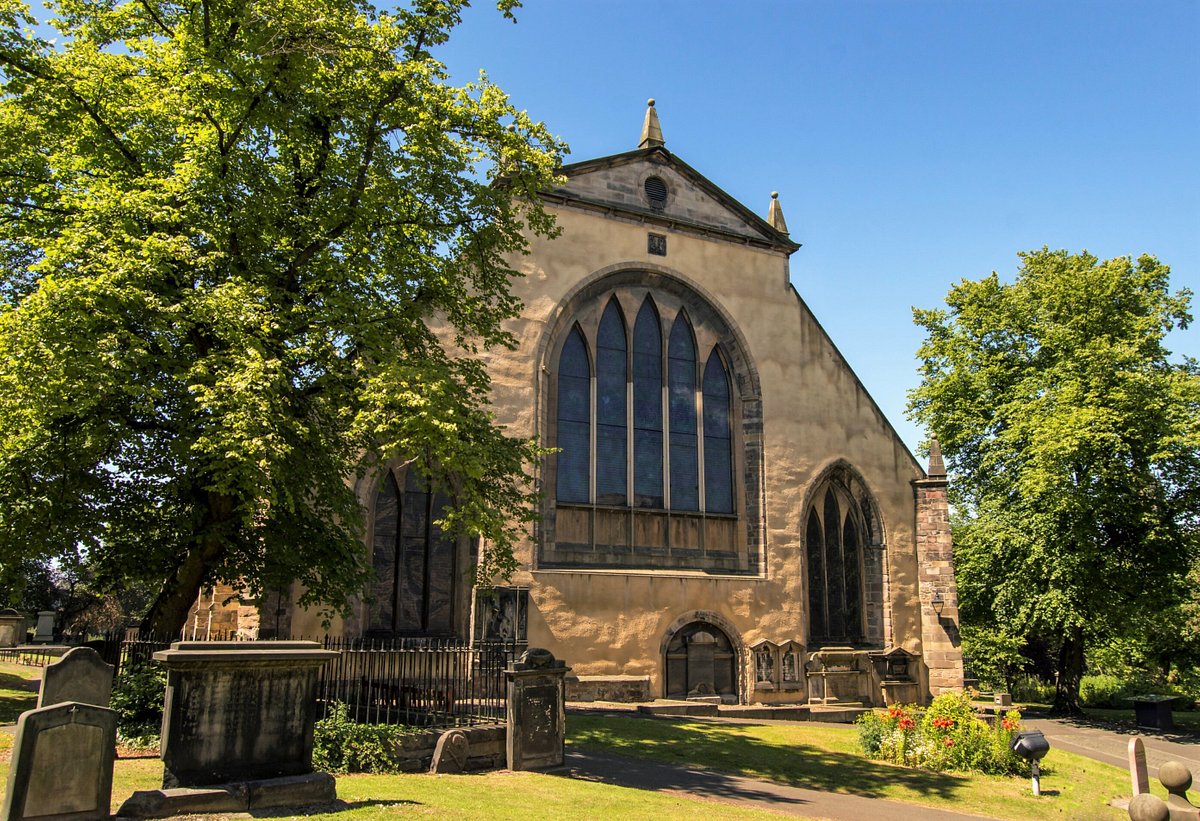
[{"x": 1032, "y": 746}]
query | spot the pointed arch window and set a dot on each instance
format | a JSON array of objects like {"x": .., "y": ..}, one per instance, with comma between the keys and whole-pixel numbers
[
  {"x": 834, "y": 548},
  {"x": 414, "y": 562},
  {"x": 645, "y": 431}
]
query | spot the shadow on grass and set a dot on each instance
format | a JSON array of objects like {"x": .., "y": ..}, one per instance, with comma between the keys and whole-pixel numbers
[
  {"x": 16, "y": 696},
  {"x": 332, "y": 807},
  {"x": 691, "y": 744}
]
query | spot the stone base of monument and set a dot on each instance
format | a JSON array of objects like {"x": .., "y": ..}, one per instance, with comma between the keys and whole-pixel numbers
[{"x": 244, "y": 796}]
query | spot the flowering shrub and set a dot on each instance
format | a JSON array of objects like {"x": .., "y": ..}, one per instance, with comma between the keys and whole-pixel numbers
[{"x": 947, "y": 736}]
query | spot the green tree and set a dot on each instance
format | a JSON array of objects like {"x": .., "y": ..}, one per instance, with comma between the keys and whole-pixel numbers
[
  {"x": 1074, "y": 445},
  {"x": 242, "y": 244}
]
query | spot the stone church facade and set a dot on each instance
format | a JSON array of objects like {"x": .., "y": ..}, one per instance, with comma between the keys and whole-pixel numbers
[{"x": 728, "y": 513}]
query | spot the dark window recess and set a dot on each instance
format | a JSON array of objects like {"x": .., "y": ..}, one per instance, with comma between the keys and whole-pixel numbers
[
  {"x": 656, "y": 193},
  {"x": 657, "y": 245},
  {"x": 574, "y": 420},
  {"x": 647, "y": 409},
  {"x": 413, "y": 589},
  {"x": 834, "y": 579}
]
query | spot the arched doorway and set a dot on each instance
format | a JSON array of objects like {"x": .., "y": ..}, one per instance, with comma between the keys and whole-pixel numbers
[{"x": 701, "y": 660}]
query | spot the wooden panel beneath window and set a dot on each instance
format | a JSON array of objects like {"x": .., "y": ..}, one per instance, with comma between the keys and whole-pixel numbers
[
  {"x": 612, "y": 531},
  {"x": 650, "y": 530},
  {"x": 685, "y": 532},
  {"x": 720, "y": 536},
  {"x": 573, "y": 528}
]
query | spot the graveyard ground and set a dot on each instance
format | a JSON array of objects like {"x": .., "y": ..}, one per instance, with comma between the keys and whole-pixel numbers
[{"x": 797, "y": 754}]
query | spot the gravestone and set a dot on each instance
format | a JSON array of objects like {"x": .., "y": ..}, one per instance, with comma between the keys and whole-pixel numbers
[
  {"x": 80, "y": 675},
  {"x": 536, "y": 711},
  {"x": 44, "y": 633},
  {"x": 62, "y": 763},
  {"x": 12, "y": 628},
  {"x": 237, "y": 711},
  {"x": 1138, "y": 773},
  {"x": 451, "y": 753}
]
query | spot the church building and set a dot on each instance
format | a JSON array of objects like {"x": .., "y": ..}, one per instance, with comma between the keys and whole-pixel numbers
[{"x": 728, "y": 514}]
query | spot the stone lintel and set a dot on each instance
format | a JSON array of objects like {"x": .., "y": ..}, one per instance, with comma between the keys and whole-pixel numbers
[{"x": 187, "y": 654}]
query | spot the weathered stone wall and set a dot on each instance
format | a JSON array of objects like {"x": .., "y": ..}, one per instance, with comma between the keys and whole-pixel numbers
[
  {"x": 485, "y": 749},
  {"x": 622, "y": 689}
]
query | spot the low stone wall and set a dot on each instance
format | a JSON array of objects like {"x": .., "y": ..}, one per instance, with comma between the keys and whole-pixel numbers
[
  {"x": 622, "y": 689},
  {"x": 485, "y": 749}
]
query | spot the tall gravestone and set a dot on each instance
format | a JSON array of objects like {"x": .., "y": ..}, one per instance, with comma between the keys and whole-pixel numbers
[
  {"x": 237, "y": 711},
  {"x": 44, "y": 633},
  {"x": 536, "y": 711},
  {"x": 62, "y": 764},
  {"x": 80, "y": 675}
]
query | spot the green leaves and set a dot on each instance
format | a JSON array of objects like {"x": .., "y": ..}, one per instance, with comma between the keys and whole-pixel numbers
[
  {"x": 241, "y": 247},
  {"x": 1072, "y": 437}
]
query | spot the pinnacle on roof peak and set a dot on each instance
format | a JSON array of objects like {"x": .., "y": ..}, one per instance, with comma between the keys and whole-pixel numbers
[
  {"x": 775, "y": 214},
  {"x": 937, "y": 468},
  {"x": 651, "y": 131}
]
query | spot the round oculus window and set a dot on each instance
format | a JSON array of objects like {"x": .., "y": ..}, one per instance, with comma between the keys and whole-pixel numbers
[{"x": 656, "y": 192}]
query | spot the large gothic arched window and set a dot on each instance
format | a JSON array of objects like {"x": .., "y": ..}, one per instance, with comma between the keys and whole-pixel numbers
[
  {"x": 646, "y": 432},
  {"x": 413, "y": 591},
  {"x": 835, "y": 536}
]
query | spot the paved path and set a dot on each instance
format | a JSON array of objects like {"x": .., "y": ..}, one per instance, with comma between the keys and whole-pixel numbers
[
  {"x": 1111, "y": 745},
  {"x": 644, "y": 774}
]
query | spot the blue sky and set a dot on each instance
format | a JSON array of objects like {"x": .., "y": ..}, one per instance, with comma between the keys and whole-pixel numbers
[{"x": 913, "y": 143}]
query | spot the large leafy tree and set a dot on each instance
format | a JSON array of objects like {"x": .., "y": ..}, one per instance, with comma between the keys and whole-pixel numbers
[
  {"x": 242, "y": 245},
  {"x": 1074, "y": 443}
]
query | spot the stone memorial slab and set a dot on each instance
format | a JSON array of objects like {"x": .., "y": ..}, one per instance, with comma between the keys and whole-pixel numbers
[
  {"x": 451, "y": 753},
  {"x": 237, "y": 711},
  {"x": 62, "y": 763},
  {"x": 44, "y": 634},
  {"x": 536, "y": 711},
  {"x": 12, "y": 628},
  {"x": 80, "y": 675},
  {"x": 1138, "y": 774}
]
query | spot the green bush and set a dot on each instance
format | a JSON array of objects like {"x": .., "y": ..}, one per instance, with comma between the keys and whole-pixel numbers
[
  {"x": 137, "y": 697},
  {"x": 1031, "y": 690},
  {"x": 947, "y": 736},
  {"x": 344, "y": 746}
]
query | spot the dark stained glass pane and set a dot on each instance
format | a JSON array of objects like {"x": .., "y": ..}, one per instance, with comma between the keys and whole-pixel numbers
[
  {"x": 440, "y": 589},
  {"x": 414, "y": 534},
  {"x": 383, "y": 557},
  {"x": 647, "y": 468},
  {"x": 647, "y": 408},
  {"x": 611, "y": 409},
  {"x": 834, "y": 568},
  {"x": 681, "y": 381},
  {"x": 851, "y": 548},
  {"x": 611, "y": 463},
  {"x": 718, "y": 441},
  {"x": 574, "y": 421},
  {"x": 818, "y": 624}
]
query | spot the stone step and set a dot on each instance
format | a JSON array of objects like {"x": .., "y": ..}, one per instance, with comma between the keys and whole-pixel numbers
[{"x": 679, "y": 708}]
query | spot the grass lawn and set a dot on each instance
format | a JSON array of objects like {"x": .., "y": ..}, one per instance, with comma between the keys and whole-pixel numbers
[
  {"x": 18, "y": 690},
  {"x": 826, "y": 758}
]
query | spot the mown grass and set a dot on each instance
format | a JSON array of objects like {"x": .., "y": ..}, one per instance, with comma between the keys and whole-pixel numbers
[
  {"x": 827, "y": 758},
  {"x": 18, "y": 690}
]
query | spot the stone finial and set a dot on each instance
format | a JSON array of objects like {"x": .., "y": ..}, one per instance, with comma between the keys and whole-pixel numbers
[
  {"x": 775, "y": 214},
  {"x": 937, "y": 468},
  {"x": 651, "y": 131}
]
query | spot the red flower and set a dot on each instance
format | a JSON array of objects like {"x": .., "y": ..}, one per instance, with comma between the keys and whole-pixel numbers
[
  {"x": 1008, "y": 724},
  {"x": 943, "y": 723},
  {"x": 907, "y": 723},
  {"x": 896, "y": 712},
  {"x": 949, "y": 742}
]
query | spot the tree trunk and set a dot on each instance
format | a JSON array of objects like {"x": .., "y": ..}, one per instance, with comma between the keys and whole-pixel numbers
[
  {"x": 169, "y": 613},
  {"x": 1070, "y": 672}
]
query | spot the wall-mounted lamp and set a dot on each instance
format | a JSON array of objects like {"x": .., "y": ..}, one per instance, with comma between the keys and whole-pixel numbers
[{"x": 938, "y": 603}]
